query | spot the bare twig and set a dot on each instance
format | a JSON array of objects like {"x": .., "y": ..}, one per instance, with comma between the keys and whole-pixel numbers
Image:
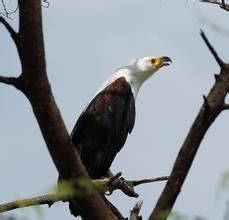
[
  {"x": 214, "y": 53},
  {"x": 138, "y": 182},
  {"x": 134, "y": 213},
  {"x": 221, "y": 4},
  {"x": 12, "y": 32},
  {"x": 7, "y": 13},
  {"x": 4, "y": 7},
  {"x": 127, "y": 186}
]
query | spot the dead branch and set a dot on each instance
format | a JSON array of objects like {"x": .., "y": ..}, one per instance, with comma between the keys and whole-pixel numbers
[
  {"x": 213, "y": 105},
  {"x": 221, "y": 4},
  {"x": 212, "y": 50}
]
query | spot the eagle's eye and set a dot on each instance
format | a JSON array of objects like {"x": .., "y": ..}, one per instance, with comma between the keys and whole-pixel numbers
[{"x": 153, "y": 61}]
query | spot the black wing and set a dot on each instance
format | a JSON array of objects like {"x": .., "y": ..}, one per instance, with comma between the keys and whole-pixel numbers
[{"x": 102, "y": 129}]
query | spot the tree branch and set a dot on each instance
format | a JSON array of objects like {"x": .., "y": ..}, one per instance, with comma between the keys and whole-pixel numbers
[
  {"x": 210, "y": 47},
  {"x": 226, "y": 107},
  {"x": 126, "y": 186},
  {"x": 48, "y": 199},
  {"x": 211, "y": 108},
  {"x": 138, "y": 182},
  {"x": 66, "y": 191},
  {"x": 12, "y": 32},
  {"x": 8, "y": 80}
]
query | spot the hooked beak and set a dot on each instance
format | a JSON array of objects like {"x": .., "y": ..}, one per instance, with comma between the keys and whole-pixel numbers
[{"x": 162, "y": 61}]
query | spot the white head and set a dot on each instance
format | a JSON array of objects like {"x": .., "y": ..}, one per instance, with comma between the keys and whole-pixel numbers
[{"x": 139, "y": 70}]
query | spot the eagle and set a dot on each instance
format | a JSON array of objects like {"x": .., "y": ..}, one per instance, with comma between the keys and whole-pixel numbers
[{"x": 102, "y": 128}]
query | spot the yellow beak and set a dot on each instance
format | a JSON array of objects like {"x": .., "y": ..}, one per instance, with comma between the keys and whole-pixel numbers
[{"x": 162, "y": 61}]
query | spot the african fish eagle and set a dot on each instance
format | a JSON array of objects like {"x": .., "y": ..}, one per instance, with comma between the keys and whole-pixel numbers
[{"x": 102, "y": 128}]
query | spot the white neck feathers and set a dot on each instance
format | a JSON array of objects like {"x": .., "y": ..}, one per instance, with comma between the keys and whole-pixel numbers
[{"x": 133, "y": 76}]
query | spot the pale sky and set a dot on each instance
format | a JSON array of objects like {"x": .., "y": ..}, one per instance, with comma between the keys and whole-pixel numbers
[{"x": 85, "y": 42}]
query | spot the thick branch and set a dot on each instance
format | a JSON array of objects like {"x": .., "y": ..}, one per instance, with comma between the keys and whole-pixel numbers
[
  {"x": 226, "y": 106},
  {"x": 211, "y": 108},
  {"x": 35, "y": 85},
  {"x": 8, "y": 80}
]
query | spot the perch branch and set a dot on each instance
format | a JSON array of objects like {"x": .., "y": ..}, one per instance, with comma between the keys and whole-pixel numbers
[
  {"x": 101, "y": 185},
  {"x": 126, "y": 186},
  {"x": 206, "y": 116}
]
